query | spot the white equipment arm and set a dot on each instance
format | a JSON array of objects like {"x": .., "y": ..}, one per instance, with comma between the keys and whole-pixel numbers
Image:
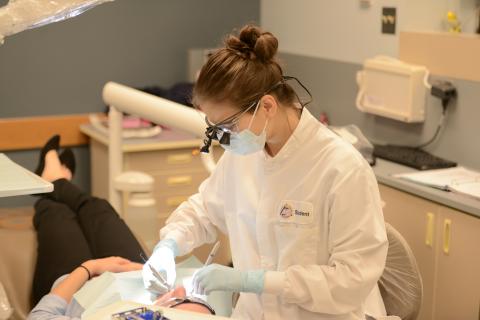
[
  {"x": 121, "y": 98},
  {"x": 153, "y": 108}
]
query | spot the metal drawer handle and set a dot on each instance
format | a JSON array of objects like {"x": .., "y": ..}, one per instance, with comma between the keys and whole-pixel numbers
[
  {"x": 429, "y": 231},
  {"x": 447, "y": 230},
  {"x": 175, "y": 201},
  {"x": 179, "y": 181},
  {"x": 180, "y": 158}
]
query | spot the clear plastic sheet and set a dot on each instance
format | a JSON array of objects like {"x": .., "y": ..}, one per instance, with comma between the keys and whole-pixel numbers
[
  {"x": 19, "y": 15},
  {"x": 401, "y": 283},
  {"x": 352, "y": 134}
]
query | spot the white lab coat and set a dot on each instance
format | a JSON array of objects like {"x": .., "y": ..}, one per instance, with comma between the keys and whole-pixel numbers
[{"x": 311, "y": 216}]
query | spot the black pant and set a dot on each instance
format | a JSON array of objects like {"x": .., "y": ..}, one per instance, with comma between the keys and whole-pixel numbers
[{"x": 73, "y": 227}]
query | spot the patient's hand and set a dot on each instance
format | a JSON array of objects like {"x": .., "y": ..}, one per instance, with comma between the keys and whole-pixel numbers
[{"x": 111, "y": 264}]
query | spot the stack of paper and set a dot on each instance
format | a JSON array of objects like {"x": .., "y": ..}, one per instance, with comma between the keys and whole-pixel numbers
[{"x": 458, "y": 179}]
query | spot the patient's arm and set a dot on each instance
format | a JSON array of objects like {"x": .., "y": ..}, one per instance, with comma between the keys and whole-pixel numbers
[
  {"x": 77, "y": 278},
  {"x": 54, "y": 305}
]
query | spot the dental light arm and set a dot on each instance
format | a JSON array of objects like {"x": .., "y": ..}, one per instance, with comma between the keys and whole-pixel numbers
[
  {"x": 19, "y": 15},
  {"x": 121, "y": 98},
  {"x": 155, "y": 109}
]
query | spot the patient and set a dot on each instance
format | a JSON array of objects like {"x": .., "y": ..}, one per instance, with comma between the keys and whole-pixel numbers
[{"x": 81, "y": 236}]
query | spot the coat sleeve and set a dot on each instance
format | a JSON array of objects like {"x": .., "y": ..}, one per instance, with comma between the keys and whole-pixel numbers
[
  {"x": 357, "y": 252},
  {"x": 196, "y": 220}
]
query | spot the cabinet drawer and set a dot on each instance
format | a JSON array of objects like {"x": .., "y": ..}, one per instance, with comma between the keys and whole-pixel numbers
[
  {"x": 168, "y": 203},
  {"x": 163, "y": 161},
  {"x": 168, "y": 160},
  {"x": 182, "y": 182}
]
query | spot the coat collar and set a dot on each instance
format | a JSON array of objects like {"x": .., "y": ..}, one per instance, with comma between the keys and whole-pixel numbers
[{"x": 304, "y": 130}]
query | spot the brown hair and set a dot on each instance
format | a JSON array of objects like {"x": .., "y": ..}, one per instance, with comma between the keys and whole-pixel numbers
[{"x": 243, "y": 71}]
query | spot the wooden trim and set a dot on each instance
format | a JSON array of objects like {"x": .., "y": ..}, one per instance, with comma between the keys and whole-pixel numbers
[
  {"x": 444, "y": 54},
  {"x": 33, "y": 132}
]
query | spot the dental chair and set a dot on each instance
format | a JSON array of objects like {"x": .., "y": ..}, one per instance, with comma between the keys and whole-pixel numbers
[
  {"x": 401, "y": 283},
  {"x": 18, "y": 253}
]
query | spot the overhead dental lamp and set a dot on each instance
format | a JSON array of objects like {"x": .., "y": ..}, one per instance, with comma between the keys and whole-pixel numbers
[{"x": 19, "y": 15}]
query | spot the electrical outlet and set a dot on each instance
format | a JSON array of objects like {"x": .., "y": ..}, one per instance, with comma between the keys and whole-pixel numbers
[{"x": 389, "y": 20}]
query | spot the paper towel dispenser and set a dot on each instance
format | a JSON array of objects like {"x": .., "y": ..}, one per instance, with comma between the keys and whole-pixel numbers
[{"x": 394, "y": 89}]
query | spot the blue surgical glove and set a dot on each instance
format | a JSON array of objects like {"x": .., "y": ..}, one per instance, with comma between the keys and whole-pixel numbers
[
  {"x": 216, "y": 277},
  {"x": 162, "y": 261}
]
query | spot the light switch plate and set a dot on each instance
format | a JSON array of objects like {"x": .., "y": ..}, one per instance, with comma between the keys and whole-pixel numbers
[{"x": 389, "y": 20}]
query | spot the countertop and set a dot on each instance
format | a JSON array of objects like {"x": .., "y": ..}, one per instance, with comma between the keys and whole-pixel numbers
[
  {"x": 384, "y": 171},
  {"x": 167, "y": 139}
]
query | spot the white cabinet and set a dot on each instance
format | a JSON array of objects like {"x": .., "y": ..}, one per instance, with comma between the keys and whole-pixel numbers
[
  {"x": 409, "y": 215},
  {"x": 457, "y": 290},
  {"x": 446, "y": 244}
]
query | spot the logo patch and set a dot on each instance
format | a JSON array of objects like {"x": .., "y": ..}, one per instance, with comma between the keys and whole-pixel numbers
[
  {"x": 286, "y": 211},
  {"x": 298, "y": 212}
]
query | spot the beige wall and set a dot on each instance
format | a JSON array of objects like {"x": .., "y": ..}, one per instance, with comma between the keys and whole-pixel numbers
[{"x": 345, "y": 31}]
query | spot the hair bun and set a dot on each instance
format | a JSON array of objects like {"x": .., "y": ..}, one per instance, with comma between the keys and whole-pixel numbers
[{"x": 254, "y": 43}]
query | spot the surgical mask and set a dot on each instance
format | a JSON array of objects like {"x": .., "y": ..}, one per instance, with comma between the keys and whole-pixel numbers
[{"x": 246, "y": 142}]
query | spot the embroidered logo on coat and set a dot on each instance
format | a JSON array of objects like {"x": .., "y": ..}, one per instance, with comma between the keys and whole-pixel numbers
[
  {"x": 297, "y": 212},
  {"x": 286, "y": 211}
]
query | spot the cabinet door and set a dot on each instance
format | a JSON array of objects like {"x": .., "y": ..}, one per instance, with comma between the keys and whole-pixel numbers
[
  {"x": 457, "y": 292},
  {"x": 410, "y": 216},
  {"x": 99, "y": 175}
]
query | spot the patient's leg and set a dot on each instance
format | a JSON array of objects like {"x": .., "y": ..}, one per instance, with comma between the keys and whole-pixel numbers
[
  {"x": 62, "y": 245},
  {"x": 106, "y": 233}
]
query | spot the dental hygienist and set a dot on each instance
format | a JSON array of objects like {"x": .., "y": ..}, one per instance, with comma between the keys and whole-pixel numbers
[{"x": 300, "y": 206}]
